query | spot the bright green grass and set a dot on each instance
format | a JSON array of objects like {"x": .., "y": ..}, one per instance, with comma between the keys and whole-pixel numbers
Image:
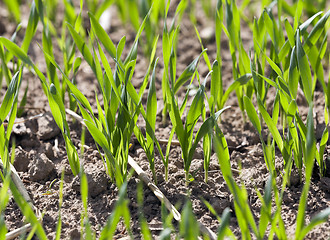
[{"x": 289, "y": 52}]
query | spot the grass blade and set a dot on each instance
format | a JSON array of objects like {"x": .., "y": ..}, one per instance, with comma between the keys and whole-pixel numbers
[
  {"x": 309, "y": 154},
  {"x": 252, "y": 114},
  {"x": 187, "y": 73},
  {"x": 272, "y": 127},
  {"x": 305, "y": 72}
]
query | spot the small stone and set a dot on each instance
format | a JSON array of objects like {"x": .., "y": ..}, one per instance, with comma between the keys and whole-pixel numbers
[
  {"x": 207, "y": 34},
  {"x": 22, "y": 160},
  {"x": 144, "y": 166},
  {"x": 139, "y": 151},
  {"x": 47, "y": 127},
  {"x": 143, "y": 157},
  {"x": 40, "y": 168}
]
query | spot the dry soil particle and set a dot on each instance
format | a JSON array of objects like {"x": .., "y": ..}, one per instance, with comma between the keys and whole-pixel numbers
[
  {"x": 47, "y": 127},
  {"x": 96, "y": 178},
  {"x": 22, "y": 160},
  {"x": 40, "y": 167}
]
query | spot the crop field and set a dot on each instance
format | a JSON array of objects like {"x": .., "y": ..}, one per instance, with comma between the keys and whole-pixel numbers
[{"x": 142, "y": 119}]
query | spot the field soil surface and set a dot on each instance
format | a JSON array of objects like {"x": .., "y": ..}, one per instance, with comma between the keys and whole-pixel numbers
[{"x": 41, "y": 155}]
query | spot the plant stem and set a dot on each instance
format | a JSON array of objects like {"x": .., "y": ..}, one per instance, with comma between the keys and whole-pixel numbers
[
  {"x": 154, "y": 175},
  {"x": 187, "y": 177},
  {"x": 166, "y": 173},
  {"x": 206, "y": 176}
]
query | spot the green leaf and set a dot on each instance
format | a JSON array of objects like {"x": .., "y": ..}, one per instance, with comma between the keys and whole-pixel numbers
[
  {"x": 109, "y": 74},
  {"x": 310, "y": 144},
  {"x": 97, "y": 134},
  {"x": 303, "y": 27},
  {"x": 284, "y": 52},
  {"x": 133, "y": 13},
  {"x": 14, "y": 9},
  {"x": 102, "y": 36},
  {"x": 316, "y": 31},
  {"x": 206, "y": 128},
  {"x": 189, "y": 228},
  {"x": 103, "y": 7},
  {"x": 293, "y": 74},
  {"x": 289, "y": 32},
  {"x": 31, "y": 27},
  {"x": 216, "y": 85},
  {"x": 271, "y": 126},
  {"x": 193, "y": 114},
  {"x": 187, "y": 73},
  {"x": 221, "y": 148},
  {"x": 72, "y": 87},
  {"x": 224, "y": 225},
  {"x": 17, "y": 51},
  {"x": 207, "y": 149},
  {"x": 309, "y": 154},
  {"x": 252, "y": 114},
  {"x": 316, "y": 220},
  {"x": 120, "y": 47},
  {"x": 238, "y": 82},
  {"x": 8, "y": 100},
  {"x": 152, "y": 100},
  {"x": 274, "y": 66},
  {"x": 133, "y": 51},
  {"x": 297, "y": 16},
  {"x": 305, "y": 72},
  {"x": 82, "y": 46},
  {"x": 205, "y": 56},
  {"x": 84, "y": 190}
]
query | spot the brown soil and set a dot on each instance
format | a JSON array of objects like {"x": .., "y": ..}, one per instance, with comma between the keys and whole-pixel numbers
[{"x": 41, "y": 155}]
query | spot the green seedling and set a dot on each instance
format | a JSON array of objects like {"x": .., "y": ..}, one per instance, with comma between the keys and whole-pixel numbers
[
  {"x": 60, "y": 202},
  {"x": 9, "y": 107},
  {"x": 242, "y": 209},
  {"x": 8, "y": 111},
  {"x": 185, "y": 133},
  {"x": 55, "y": 102},
  {"x": 169, "y": 48},
  {"x": 14, "y": 10},
  {"x": 113, "y": 132},
  {"x": 189, "y": 228},
  {"x": 121, "y": 210},
  {"x": 309, "y": 158},
  {"x": 98, "y": 7},
  {"x": 286, "y": 83},
  {"x": 146, "y": 234},
  {"x": 4, "y": 199},
  {"x": 289, "y": 53},
  {"x": 50, "y": 191}
]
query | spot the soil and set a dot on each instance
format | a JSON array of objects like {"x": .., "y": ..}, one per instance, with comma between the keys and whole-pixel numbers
[{"x": 41, "y": 155}]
